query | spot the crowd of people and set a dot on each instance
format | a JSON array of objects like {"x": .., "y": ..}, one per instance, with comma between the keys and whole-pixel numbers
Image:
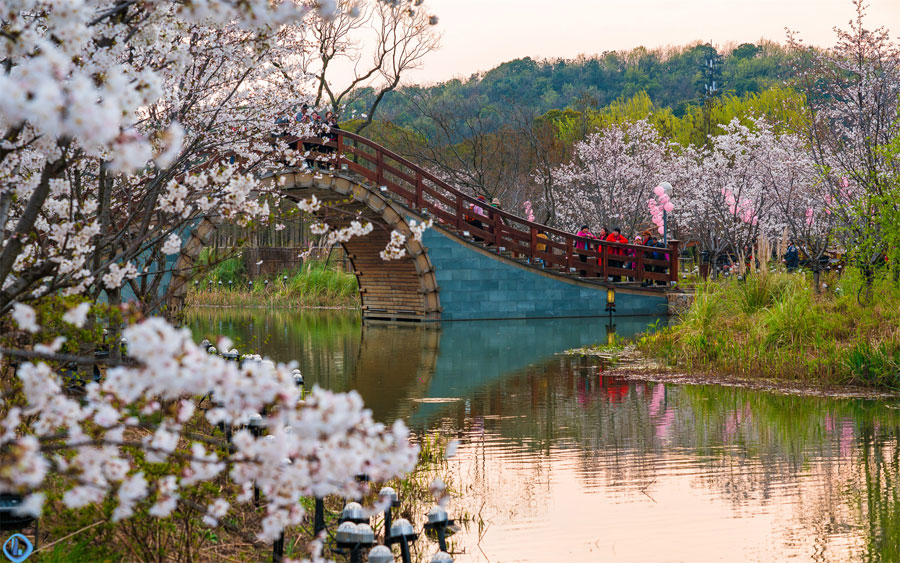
[
  {"x": 480, "y": 216},
  {"x": 312, "y": 150},
  {"x": 619, "y": 257}
]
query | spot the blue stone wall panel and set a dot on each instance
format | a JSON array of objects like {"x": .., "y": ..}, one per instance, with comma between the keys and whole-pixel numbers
[{"x": 476, "y": 286}]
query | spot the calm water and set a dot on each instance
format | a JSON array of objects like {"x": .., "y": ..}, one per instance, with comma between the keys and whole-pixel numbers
[{"x": 559, "y": 462}]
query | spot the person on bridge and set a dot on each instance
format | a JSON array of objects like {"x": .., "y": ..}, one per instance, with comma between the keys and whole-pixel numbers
[
  {"x": 330, "y": 135},
  {"x": 477, "y": 213},
  {"x": 495, "y": 218},
  {"x": 650, "y": 240},
  {"x": 304, "y": 117},
  {"x": 632, "y": 253},
  {"x": 617, "y": 237},
  {"x": 541, "y": 246},
  {"x": 584, "y": 232}
]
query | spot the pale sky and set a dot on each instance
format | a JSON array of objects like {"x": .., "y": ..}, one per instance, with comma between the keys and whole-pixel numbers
[{"x": 480, "y": 34}]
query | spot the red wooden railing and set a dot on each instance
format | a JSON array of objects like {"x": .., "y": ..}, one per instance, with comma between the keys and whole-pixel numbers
[{"x": 419, "y": 189}]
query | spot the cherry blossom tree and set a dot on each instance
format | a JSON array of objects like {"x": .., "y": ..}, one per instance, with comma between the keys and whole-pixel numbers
[
  {"x": 122, "y": 124},
  {"x": 852, "y": 106},
  {"x": 802, "y": 201},
  {"x": 611, "y": 176},
  {"x": 752, "y": 182},
  {"x": 109, "y": 110},
  {"x": 128, "y": 123},
  {"x": 698, "y": 203},
  {"x": 150, "y": 404}
]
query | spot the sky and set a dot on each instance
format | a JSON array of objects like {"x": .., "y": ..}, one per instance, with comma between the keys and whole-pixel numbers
[{"x": 480, "y": 34}]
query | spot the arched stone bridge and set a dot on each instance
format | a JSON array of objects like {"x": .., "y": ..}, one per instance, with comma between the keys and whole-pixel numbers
[{"x": 494, "y": 268}]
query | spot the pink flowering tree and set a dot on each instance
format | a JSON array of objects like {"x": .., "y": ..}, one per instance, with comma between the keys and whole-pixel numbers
[
  {"x": 611, "y": 177},
  {"x": 725, "y": 190},
  {"x": 698, "y": 203},
  {"x": 802, "y": 201}
]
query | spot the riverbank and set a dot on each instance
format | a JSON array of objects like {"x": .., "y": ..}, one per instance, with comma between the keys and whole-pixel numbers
[
  {"x": 627, "y": 362},
  {"x": 775, "y": 327},
  {"x": 314, "y": 285}
]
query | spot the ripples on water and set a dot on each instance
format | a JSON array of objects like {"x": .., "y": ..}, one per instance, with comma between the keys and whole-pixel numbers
[{"x": 560, "y": 462}]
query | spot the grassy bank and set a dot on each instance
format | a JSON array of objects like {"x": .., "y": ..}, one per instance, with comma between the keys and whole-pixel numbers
[
  {"x": 312, "y": 285},
  {"x": 776, "y": 325}
]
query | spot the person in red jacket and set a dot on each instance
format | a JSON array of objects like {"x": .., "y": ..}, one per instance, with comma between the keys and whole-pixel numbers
[{"x": 616, "y": 252}]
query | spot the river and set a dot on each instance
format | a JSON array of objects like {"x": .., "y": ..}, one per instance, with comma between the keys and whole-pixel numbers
[{"x": 560, "y": 462}]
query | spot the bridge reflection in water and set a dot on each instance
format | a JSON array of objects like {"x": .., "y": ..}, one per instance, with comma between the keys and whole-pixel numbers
[
  {"x": 559, "y": 461},
  {"x": 404, "y": 370}
]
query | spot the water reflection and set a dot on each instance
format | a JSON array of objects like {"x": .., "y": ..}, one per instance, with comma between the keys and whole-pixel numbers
[{"x": 558, "y": 460}]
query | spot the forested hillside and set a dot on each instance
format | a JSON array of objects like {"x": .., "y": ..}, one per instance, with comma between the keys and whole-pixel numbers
[{"x": 673, "y": 77}]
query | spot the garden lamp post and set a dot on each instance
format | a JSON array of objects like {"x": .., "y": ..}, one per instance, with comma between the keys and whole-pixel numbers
[
  {"x": 319, "y": 519},
  {"x": 278, "y": 549},
  {"x": 298, "y": 381},
  {"x": 381, "y": 554},
  {"x": 355, "y": 537},
  {"x": 9, "y": 520},
  {"x": 16, "y": 545},
  {"x": 402, "y": 533},
  {"x": 438, "y": 522},
  {"x": 610, "y": 301},
  {"x": 353, "y": 512},
  {"x": 389, "y": 496}
]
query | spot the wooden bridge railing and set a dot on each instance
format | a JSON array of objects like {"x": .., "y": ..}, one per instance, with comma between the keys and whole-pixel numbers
[{"x": 421, "y": 190}]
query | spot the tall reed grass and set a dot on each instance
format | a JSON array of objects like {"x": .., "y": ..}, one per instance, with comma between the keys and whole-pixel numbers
[{"x": 776, "y": 325}]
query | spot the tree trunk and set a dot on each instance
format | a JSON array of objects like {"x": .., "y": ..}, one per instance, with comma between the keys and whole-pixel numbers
[{"x": 115, "y": 328}]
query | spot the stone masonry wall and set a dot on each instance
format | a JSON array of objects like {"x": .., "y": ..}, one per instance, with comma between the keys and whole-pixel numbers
[{"x": 474, "y": 285}]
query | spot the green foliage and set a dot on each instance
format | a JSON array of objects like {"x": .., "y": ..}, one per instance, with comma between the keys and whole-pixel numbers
[
  {"x": 874, "y": 364},
  {"x": 697, "y": 121},
  {"x": 228, "y": 270},
  {"x": 877, "y": 216},
  {"x": 775, "y": 325},
  {"x": 312, "y": 285},
  {"x": 669, "y": 76}
]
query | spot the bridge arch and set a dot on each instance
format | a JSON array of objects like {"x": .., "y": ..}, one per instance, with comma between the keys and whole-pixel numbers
[{"x": 403, "y": 289}]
